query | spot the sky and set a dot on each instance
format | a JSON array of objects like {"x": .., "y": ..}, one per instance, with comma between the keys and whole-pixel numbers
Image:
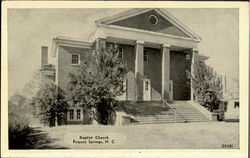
[{"x": 29, "y": 29}]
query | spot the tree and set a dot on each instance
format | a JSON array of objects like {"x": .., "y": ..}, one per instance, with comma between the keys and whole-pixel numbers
[
  {"x": 96, "y": 84},
  {"x": 207, "y": 85},
  {"x": 17, "y": 102},
  {"x": 32, "y": 86},
  {"x": 51, "y": 104}
]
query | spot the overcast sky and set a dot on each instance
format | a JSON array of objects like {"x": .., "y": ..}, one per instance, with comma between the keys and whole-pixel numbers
[{"x": 29, "y": 29}]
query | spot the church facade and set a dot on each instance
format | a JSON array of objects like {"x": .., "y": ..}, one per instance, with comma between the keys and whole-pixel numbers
[{"x": 156, "y": 47}]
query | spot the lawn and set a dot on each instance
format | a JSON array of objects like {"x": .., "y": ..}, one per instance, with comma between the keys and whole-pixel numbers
[{"x": 205, "y": 135}]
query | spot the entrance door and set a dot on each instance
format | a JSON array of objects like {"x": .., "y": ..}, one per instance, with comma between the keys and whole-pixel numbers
[{"x": 146, "y": 89}]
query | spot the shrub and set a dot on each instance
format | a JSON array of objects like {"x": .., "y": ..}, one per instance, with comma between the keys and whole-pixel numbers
[
  {"x": 207, "y": 85},
  {"x": 18, "y": 131},
  {"x": 51, "y": 104},
  {"x": 210, "y": 100},
  {"x": 18, "y": 126}
]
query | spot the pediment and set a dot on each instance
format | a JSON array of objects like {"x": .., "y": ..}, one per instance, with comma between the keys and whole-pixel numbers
[{"x": 155, "y": 20}]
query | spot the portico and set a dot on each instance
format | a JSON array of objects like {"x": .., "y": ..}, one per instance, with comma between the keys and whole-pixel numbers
[
  {"x": 155, "y": 53},
  {"x": 148, "y": 79}
]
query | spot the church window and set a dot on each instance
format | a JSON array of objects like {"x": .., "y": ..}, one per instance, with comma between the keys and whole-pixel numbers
[{"x": 153, "y": 19}]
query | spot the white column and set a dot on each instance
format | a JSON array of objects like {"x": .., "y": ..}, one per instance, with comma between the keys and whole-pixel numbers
[
  {"x": 194, "y": 59},
  {"x": 100, "y": 43},
  {"x": 139, "y": 70},
  {"x": 165, "y": 49}
]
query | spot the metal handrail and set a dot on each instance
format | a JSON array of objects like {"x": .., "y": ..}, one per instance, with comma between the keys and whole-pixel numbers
[
  {"x": 175, "y": 112},
  {"x": 171, "y": 108}
]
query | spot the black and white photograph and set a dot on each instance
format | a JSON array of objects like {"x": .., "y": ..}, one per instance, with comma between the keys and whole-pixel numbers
[{"x": 124, "y": 78}]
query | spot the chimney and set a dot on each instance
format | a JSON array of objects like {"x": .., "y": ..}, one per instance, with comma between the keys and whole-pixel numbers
[{"x": 44, "y": 56}]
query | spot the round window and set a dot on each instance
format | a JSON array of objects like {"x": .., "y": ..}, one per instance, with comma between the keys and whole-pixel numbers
[{"x": 153, "y": 19}]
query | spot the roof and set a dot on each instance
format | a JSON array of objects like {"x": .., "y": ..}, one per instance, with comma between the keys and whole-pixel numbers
[
  {"x": 70, "y": 42},
  {"x": 162, "y": 12}
]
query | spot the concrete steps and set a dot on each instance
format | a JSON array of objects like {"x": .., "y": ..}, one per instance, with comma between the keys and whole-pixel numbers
[{"x": 154, "y": 112}]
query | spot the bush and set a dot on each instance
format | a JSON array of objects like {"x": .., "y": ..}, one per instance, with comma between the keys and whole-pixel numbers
[
  {"x": 210, "y": 101},
  {"x": 18, "y": 124},
  {"x": 51, "y": 104},
  {"x": 207, "y": 85},
  {"x": 18, "y": 131}
]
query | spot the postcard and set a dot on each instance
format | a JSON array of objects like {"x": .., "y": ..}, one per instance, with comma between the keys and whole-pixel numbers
[{"x": 124, "y": 79}]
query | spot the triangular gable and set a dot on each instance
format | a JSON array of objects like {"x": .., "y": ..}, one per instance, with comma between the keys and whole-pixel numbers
[{"x": 140, "y": 19}]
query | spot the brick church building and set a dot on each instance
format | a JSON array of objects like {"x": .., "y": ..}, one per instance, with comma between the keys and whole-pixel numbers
[{"x": 156, "y": 47}]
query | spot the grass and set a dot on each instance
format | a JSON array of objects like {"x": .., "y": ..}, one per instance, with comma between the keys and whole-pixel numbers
[{"x": 209, "y": 135}]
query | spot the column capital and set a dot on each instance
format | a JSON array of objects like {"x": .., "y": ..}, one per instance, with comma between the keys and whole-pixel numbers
[
  {"x": 100, "y": 43},
  {"x": 195, "y": 49},
  {"x": 165, "y": 45},
  {"x": 101, "y": 37},
  {"x": 139, "y": 42}
]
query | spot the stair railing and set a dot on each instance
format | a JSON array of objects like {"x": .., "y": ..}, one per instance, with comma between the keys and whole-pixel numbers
[
  {"x": 175, "y": 112},
  {"x": 165, "y": 102}
]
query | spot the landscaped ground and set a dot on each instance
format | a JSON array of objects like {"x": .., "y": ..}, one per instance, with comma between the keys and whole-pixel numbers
[{"x": 205, "y": 135}]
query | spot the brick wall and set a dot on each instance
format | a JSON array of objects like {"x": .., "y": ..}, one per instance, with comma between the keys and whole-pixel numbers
[
  {"x": 178, "y": 65},
  {"x": 129, "y": 60},
  {"x": 142, "y": 22},
  {"x": 153, "y": 71},
  {"x": 64, "y": 63}
]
